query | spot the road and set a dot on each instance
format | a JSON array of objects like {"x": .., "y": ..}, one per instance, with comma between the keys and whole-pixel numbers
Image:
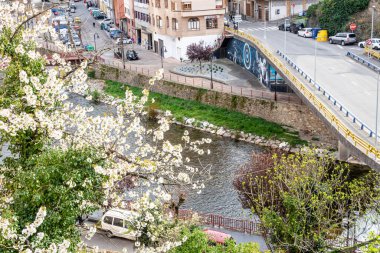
[{"x": 349, "y": 82}]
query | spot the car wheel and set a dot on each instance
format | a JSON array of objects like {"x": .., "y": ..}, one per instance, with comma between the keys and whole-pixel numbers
[
  {"x": 330, "y": 41},
  {"x": 361, "y": 45},
  {"x": 342, "y": 43},
  {"x": 109, "y": 234},
  {"x": 376, "y": 48},
  {"x": 304, "y": 36}
]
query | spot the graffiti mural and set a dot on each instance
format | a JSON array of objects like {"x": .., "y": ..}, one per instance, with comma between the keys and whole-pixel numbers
[{"x": 249, "y": 58}]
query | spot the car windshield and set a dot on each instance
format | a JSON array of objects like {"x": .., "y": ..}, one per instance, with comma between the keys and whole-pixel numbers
[{"x": 352, "y": 35}]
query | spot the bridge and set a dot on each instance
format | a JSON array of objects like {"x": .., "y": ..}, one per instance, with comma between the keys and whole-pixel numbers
[{"x": 342, "y": 93}]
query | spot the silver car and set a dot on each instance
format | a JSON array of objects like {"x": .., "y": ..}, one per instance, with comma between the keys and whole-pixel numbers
[{"x": 343, "y": 38}]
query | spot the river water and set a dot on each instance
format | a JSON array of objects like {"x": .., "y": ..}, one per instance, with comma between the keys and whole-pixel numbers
[{"x": 227, "y": 155}]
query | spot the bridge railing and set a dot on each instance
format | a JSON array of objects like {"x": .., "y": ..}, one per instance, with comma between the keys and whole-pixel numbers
[
  {"x": 357, "y": 141},
  {"x": 215, "y": 220},
  {"x": 325, "y": 93},
  {"x": 363, "y": 61}
]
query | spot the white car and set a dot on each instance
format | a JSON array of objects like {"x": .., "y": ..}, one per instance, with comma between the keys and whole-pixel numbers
[
  {"x": 115, "y": 222},
  {"x": 375, "y": 43},
  {"x": 306, "y": 32},
  {"x": 125, "y": 41},
  {"x": 107, "y": 21}
]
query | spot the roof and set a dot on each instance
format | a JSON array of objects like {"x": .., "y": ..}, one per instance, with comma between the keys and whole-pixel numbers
[{"x": 216, "y": 236}]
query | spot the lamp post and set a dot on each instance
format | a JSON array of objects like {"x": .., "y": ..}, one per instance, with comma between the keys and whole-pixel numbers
[
  {"x": 265, "y": 24},
  {"x": 373, "y": 14},
  {"x": 162, "y": 51},
  {"x": 96, "y": 36},
  {"x": 315, "y": 59},
  {"x": 212, "y": 83},
  {"x": 377, "y": 106},
  {"x": 285, "y": 35}
]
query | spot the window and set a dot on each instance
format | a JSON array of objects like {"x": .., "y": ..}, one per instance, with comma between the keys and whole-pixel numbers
[
  {"x": 159, "y": 21},
  {"x": 108, "y": 220},
  {"x": 174, "y": 24},
  {"x": 193, "y": 24},
  {"x": 186, "y": 6},
  {"x": 153, "y": 20},
  {"x": 211, "y": 22},
  {"x": 167, "y": 22},
  {"x": 166, "y": 4},
  {"x": 117, "y": 222},
  {"x": 277, "y": 11},
  {"x": 158, "y": 3}
]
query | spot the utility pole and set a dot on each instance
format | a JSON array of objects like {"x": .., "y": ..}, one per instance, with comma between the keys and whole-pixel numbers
[{"x": 122, "y": 48}]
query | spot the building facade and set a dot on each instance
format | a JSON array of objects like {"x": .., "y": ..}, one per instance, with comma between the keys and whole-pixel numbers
[
  {"x": 269, "y": 9},
  {"x": 175, "y": 24},
  {"x": 128, "y": 22},
  {"x": 144, "y": 34}
]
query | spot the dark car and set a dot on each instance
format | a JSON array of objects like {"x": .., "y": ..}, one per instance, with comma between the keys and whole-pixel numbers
[
  {"x": 294, "y": 28},
  {"x": 282, "y": 27},
  {"x": 100, "y": 16},
  {"x": 131, "y": 55}
]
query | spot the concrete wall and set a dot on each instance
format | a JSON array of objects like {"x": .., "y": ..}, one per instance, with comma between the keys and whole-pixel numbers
[{"x": 296, "y": 116}]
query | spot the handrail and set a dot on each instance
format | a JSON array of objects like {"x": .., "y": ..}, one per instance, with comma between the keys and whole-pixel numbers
[
  {"x": 329, "y": 96},
  {"x": 363, "y": 61},
  {"x": 372, "y": 52},
  {"x": 339, "y": 126}
]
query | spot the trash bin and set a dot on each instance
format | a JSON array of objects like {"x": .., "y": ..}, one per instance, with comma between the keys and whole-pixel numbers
[
  {"x": 322, "y": 36},
  {"x": 315, "y": 32}
]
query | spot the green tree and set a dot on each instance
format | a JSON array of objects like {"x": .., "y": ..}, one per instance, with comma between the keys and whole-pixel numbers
[
  {"x": 65, "y": 182},
  {"x": 302, "y": 200},
  {"x": 197, "y": 241}
]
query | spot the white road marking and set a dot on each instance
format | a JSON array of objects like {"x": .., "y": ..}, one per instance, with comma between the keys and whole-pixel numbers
[{"x": 340, "y": 46}]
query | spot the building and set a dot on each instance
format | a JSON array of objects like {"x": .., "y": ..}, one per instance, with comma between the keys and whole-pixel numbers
[
  {"x": 175, "y": 24},
  {"x": 107, "y": 6},
  {"x": 142, "y": 23},
  {"x": 119, "y": 12},
  {"x": 128, "y": 23},
  {"x": 269, "y": 9}
]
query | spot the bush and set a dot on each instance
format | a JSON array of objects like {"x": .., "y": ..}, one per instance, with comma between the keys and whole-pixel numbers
[
  {"x": 334, "y": 15},
  {"x": 96, "y": 96},
  {"x": 91, "y": 73}
]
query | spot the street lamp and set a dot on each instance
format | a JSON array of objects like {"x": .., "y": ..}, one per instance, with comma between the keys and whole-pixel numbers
[
  {"x": 162, "y": 51},
  {"x": 373, "y": 14},
  {"x": 377, "y": 106},
  {"x": 285, "y": 35},
  {"x": 315, "y": 58},
  {"x": 96, "y": 36}
]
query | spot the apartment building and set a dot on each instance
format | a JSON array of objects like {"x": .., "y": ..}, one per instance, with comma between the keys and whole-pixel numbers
[
  {"x": 119, "y": 12},
  {"x": 107, "y": 6},
  {"x": 269, "y": 9},
  {"x": 175, "y": 24},
  {"x": 128, "y": 22},
  {"x": 144, "y": 34}
]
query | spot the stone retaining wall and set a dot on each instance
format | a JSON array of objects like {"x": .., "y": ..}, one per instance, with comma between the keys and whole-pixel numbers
[{"x": 296, "y": 116}]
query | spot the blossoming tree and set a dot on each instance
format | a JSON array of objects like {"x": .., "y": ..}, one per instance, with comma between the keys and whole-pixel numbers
[{"x": 64, "y": 163}]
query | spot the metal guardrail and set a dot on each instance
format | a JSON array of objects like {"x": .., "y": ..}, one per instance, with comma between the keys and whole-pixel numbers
[
  {"x": 244, "y": 226},
  {"x": 358, "y": 142},
  {"x": 363, "y": 61},
  {"x": 335, "y": 102}
]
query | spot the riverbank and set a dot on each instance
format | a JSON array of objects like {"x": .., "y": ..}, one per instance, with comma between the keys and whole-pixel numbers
[{"x": 226, "y": 122}]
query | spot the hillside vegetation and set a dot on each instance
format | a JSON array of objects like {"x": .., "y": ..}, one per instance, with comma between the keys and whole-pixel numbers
[{"x": 336, "y": 15}]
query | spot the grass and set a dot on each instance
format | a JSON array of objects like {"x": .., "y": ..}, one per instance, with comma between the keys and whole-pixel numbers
[{"x": 215, "y": 115}]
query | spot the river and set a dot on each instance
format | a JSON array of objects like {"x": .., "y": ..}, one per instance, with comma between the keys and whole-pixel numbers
[{"x": 219, "y": 196}]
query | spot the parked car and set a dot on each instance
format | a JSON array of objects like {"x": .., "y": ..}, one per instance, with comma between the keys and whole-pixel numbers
[
  {"x": 115, "y": 222},
  {"x": 294, "y": 28},
  {"x": 125, "y": 41},
  {"x": 217, "y": 237},
  {"x": 109, "y": 27},
  {"x": 115, "y": 35},
  {"x": 375, "y": 43},
  {"x": 100, "y": 16},
  {"x": 282, "y": 27},
  {"x": 76, "y": 42},
  {"x": 343, "y": 38},
  {"x": 92, "y": 8},
  {"x": 107, "y": 21},
  {"x": 72, "y": 10},
  {"x": 131, "y": 55},
  {"x": 306, "y": 32},
  {"x": 72, "y": 5},
  {"x": 95, "y": 12}
]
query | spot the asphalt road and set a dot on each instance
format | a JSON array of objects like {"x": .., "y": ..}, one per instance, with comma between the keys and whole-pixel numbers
[{"x": 349, "y": 82}]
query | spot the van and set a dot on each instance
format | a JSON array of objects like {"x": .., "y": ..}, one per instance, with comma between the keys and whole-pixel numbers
[{"x": 115, "y": 222}]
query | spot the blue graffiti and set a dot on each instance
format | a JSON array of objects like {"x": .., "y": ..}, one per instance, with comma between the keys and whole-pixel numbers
[{"x": 247, "y": 56}]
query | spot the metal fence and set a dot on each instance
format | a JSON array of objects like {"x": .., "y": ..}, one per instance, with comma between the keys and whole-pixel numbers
[
  {"x": 203, "y": 83},
  {"x": 244, "y": 226},
  {"x": 363, "y": 61},
  {"x": 197, "y": 82},
  {"x": 341, "y": 127}
]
